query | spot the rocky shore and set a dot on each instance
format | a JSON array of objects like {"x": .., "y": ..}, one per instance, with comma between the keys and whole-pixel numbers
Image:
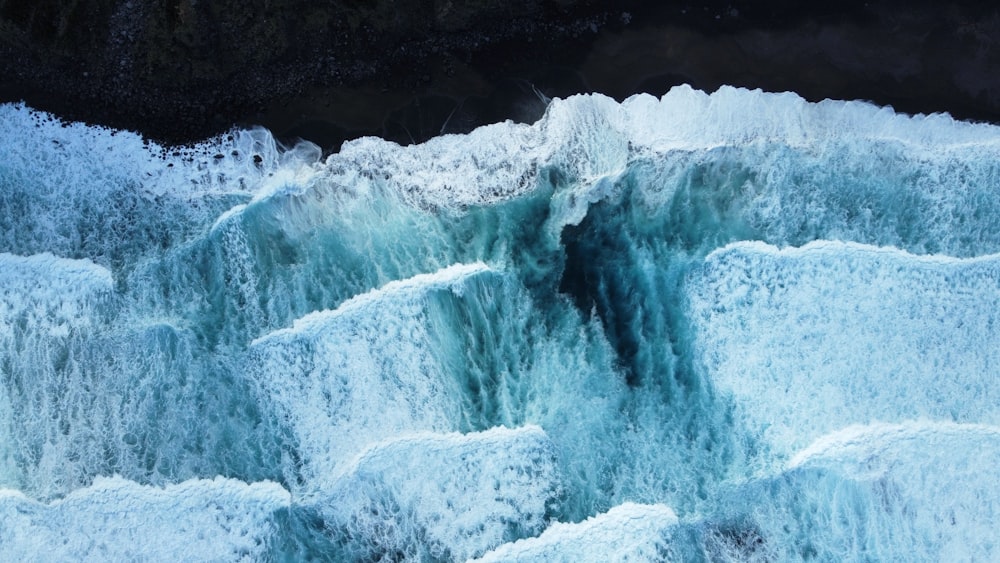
[{"x": 181, "y": 70}]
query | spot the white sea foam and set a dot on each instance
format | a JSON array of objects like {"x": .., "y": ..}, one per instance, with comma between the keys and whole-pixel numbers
[
  {"x": 72, "y": 157},
  {"x": 939, "y": 481},
  {"x": 85, "y": 191},
  {"x": 686, "y": 119},
  {"x": 873, "y": 451},
  {"x": 809, "y": 339},
  {"x": 51, "y": 295},
  {"x": 131, "y": 401},
  {"x": 587, "y": 138},
  {"x": 918, "y": 490},
  {"x": 313, "y": 324},
  {"x": 590, "y": 137},
  {"x": 362, "y": 373},
  {"x": 117, "y": 520},
  {"x": 801, "y": 341},
  {"x": 460, "y": 494},
  {"x": 628, "y": 532},
  {"x": 44, "y": 301}
]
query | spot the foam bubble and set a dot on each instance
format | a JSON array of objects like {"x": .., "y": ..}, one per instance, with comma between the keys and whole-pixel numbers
[
  {"x": 874, "y": 451},
  {"x": 685, "y": 118}
]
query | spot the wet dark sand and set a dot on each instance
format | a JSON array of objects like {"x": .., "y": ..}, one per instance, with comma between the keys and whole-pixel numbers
[{"x": 371, "y": 68}]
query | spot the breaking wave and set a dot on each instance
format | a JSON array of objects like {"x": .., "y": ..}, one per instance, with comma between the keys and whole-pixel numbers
[{"x": 736, "y": 326}]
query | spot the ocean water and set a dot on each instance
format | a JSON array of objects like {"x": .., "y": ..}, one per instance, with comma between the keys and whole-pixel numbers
[{"x": 726, "y": 327}]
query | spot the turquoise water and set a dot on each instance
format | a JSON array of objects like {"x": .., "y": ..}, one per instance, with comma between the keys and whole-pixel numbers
[{"x": 736, "y": 326}]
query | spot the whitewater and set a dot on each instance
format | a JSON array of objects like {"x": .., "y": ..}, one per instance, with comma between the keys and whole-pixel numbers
[{"x": 735, "y": 326}]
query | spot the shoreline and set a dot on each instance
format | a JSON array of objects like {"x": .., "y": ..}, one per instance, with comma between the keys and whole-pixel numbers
[{"x": 373, "y": 69}]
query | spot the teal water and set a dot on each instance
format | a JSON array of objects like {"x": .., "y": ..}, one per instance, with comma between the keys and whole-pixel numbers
[{"x": 736, "y": 326}]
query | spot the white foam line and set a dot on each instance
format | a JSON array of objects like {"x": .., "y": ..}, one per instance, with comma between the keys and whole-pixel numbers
[
  {"x": 620, "y": 531},
  {"x": 63, "y": 271},
  {"x": 446, "y": 278},
  {"x": 839, "y": 248},
  {"x": 438, "y": 441},
  {"x": 592, "y": 136},
  {"x": 882, "y": 434}
]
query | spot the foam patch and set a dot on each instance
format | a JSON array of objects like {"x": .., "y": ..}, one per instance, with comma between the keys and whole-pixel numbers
[
  {"x": 114, "y": 519},
  {"x": 809, "y": 340}
]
